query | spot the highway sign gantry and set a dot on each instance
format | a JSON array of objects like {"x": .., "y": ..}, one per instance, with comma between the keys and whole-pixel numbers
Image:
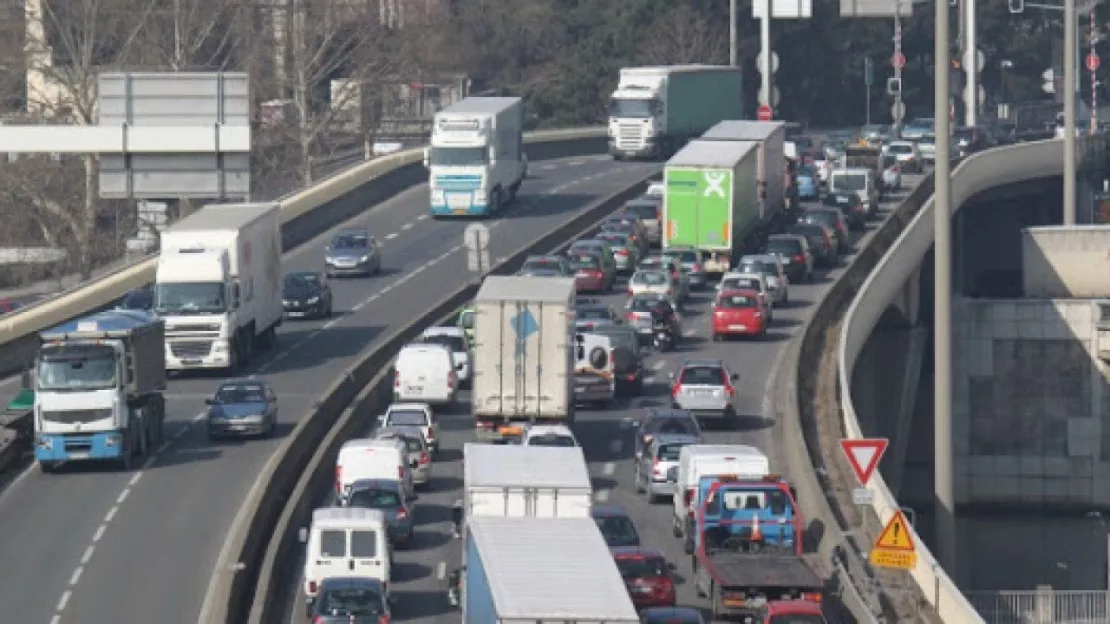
[{"x": 895, "y": 548}]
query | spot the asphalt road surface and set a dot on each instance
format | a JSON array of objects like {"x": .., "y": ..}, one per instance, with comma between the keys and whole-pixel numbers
[
  {"x": 607, "y": 439},
  {"x": 101, "y": 545}
]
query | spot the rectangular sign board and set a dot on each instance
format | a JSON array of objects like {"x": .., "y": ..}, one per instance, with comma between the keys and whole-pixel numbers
[
  {"x": 875, "y": 8},
  {"x": 783, "y": 9},
  {"x": 169, "y": 176}
]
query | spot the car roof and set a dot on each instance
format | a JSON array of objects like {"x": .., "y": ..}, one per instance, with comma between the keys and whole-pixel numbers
[
  {"x": 549, "y": 430},
  {"x": 244, "y": 381},
  {"x": 345, "y": 582},
  {"x": 636, "y": 551},
  {"x": 705, "y": 362},
  {"x": 608, "y": 511},
  {"x": 445, "y": 331},
  {"x": 734, "y": 292},
  {"x": 409, "y": 405},
  {"x": 366, "y": 484}
]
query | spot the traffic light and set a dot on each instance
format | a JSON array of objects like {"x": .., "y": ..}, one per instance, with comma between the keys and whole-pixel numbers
[
  {"x": 1017, "y": 6},
  {"x": 893, "y": 86}
]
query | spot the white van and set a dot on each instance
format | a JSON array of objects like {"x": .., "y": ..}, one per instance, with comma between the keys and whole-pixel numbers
[
  {"x": 343, "y": 542},
  {"x": 859, "y": 181},
  {"x": 425, "y": 373},
  {"x": 701, "y": 460},
  {"x": 373, "y": 459}
]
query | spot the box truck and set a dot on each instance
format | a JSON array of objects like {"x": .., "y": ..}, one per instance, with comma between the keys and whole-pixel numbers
[
  {"x": 771, "y": 137},
  {"x": 712, "y": 201},
  {"x": 654, "y": 111},
  {"x": 515, "y": 481},
  {"x": 525, "y": 570},
  {"x": 98, "y": 389},
  {"x": 476, "y": 161},
  {"x": 218, "y": 285},
  {"x": 523, "y": 356}
]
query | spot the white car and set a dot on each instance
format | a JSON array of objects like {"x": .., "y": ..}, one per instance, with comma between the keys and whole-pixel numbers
[
  {"x": 892, "y": 174},
  {"x": 413, "y": 415},
  {"x": 907, "y": 154},
  {"x": 750, "y": 281},
  {"x": 548, "y": 435},
  {"x": 418, "y": 452},
  {"x": 454, "y": 338},
  {"x": 652, "y": 282},
  {"x": 770, "y": 267}
]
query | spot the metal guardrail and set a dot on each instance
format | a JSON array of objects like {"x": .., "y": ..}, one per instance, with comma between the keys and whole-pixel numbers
[
  {"x": 980, "y": 172},
  {"x": 1043, "y": 606}
]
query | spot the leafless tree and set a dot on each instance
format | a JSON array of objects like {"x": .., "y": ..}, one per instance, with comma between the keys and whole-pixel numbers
[{"x": 684, "y": 35}]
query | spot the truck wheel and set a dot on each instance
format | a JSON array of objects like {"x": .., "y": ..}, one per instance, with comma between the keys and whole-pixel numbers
[
  {"x": 495, "y": 201},
  {"x": 48, "y": 467}
]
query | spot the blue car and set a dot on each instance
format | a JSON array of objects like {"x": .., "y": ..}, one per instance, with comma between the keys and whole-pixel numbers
[
  {"x": 807, "y": 184},
  {"x": 616, "y": 526},
  {"x": 242, "y": 407}
]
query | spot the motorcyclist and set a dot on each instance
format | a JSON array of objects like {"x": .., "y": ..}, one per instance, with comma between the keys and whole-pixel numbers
[{"x": 662, "y": 318}]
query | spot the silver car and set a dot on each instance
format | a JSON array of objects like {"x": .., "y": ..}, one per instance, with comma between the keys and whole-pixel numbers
[
  {"x": 648, "y": 208},
  {"x": 657, "y": 469},
  {"x": 706, "y": 388},
  {"x": 353, "y": 252},
  {"x": 681, "y": 279},
  {"x": 692, "y": 263},
  {"x": 625, "y": 253},
  {"x": 420, "y": 459},
  {"x": 770, "y": 267},
  {"x": 652, "y": 282}
]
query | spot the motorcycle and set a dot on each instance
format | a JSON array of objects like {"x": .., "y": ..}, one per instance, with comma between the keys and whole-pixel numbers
[
  {"x": 662, "y": 339},
  {"x": 454, "y": 583}
]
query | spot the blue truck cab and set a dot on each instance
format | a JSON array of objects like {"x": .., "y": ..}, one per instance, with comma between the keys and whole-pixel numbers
[{"x": 748, "y": 546}]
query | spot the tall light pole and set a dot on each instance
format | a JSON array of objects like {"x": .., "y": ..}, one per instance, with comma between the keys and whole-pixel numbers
[
  {"x": 971, "y": 64},
  {"x": 1071, "y": 82},
  {"x": 945, "y": 551},
  {"x": 733, "y": 35}
]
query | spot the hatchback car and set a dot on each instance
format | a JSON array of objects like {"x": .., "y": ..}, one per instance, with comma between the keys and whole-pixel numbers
[
  {"x": 835, "y": 221},
  {"x": 821, "y": 242},
  {"x": 626, "y": 253},
  {"x": 306, "y": 294},
  {"x": 738, "y": 313},
  {"x": 754, "y": 282},
  {"x": 770, "y": 267},
  {"x": 555, "y": 264},
  {"x": 850, "y": 205},
  {"x": 598, "y": 247},
  {"x": 242, "y": 407},
  {"x": 692, "y": 264},
  {"x": 647, "y": 576},
  {"x": 907, "y": 154},
  {"x": 343, "y": 600},
  {"x": 454, "y": 338},
  {"x": 657, "y": 262},
  {"x": 628, "y": 223},
  {"x": 651, "y": 282},
  {"x": 590, "y": 273},
  {"x": 655, "y": 474},
  {"x": 660, "y": 421},
  {"x": 795, "y": 255},
  {"x": 706, "y": 388},
  {"x": 590, "y": 314},
  {"x": 616, "y": 526},
  {"x": 647, "y": 209},
  {"x": 671, "y": 615},
  {"x": 548, "y": 435},
  {"x": 353, "y": 252},
  {"x": 413, "y": 415},
  {"x": 418, "y": 452},
  {"x": 388, "y": 496}
]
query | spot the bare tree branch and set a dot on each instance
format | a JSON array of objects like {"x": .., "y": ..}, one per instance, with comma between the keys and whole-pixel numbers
[{"x": 684, "y": 35}]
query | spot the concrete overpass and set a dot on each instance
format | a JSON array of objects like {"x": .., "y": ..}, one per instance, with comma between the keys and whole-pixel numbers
[{"x": 1030, "y": 398}]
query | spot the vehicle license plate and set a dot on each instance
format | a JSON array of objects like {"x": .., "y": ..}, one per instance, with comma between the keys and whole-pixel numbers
[
  {"x": 78, "y": 455},
  {"x": 190, "y": 362},
  {"x": 414, "y": 389},
  {"x": 738, "y": 327}
]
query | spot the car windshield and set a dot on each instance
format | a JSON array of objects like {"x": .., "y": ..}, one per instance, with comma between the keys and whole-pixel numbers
[
  {"x": 642, "y": 304},
  {"x": 797, "y": 618},
  {"x": 702, "y": 375},
  {"x": 551, "y": 439},
  {"x": 411, "y": 418},
  {"x": 759, "y": 267},
  {"x": 784, "y": 246},
  {"x": 850, "y": 182},
  {"x": 737, "y": 302},
  {"x": 585, "y": 261},
  {"x": 541, "y": 264},
  {"x": 350, "y": 602},
  {"x": 641, "y": 567},
  {"x": 668, "y": 424},
  {"x": 240, "y": 393},
  {"x": 644, "y": 210},
  {"x": 592, "y": 314},
  {"x": 651, "y": 278},
  {"x": 350, "y": 241},
  {"x": 456, "y": 344},
  {"x": 618, "y": 530},
  {"x": 741, "y": 283},
  {"x": 900, "y": 148},
  {"x": 670, "y": 452},
  {"x": 374, "y": 498}
]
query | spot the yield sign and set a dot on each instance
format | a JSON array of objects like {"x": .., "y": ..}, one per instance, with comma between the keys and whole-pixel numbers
[{"x": 864, "y": 455}]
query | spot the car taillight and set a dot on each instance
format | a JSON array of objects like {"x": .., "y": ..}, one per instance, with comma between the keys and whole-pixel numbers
[
  {"x": 662, "y": 585},
  {"x": 396, "y": 379},
  {"x": 451, "y": 379},
  {"x": 312, "y": 587},
  {"x": 339, "y": 479},
  {"x": 812, "y": 596},
  {"x": 424, "y": 458},
  {"x": 697, "y": 268},
  {"x": 631, "y": 316},
  {"x": 319, "y": 619},
  {"x": 430, "y": 434},
  {"x": 799, "y": 258},
  {"x": 621, "y": 252},
  {"x": 401, "y": 473},
  {"x": 629, "y": 291},
  {"x": 655, "y": 467},
  {"x": 384, "y": 619},
  {"x": 402, "y": 514},
  {"x": 675, "y": 389},
  {"x": 688, "y": 499},
  {"x": 668, "y": 292},
  {"x": 727, "y": 383}
]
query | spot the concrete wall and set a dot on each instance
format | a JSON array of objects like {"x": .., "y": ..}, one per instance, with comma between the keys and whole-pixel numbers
[{"x": 1031, "y": 403}]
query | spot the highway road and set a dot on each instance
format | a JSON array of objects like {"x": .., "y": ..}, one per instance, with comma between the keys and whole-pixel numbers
[
  {"x": 102, "y": 545},
  {"x": 606, "y": 436}
]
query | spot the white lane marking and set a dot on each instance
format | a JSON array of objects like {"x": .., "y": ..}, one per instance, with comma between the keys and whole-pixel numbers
[
  {"x": 602, "y": 496},
  {"x": 85, "y": 558},
  {"x": 64, "y": 600},
  {"x": 99, "y": 532},
  {"x": 575, "y": 163},
  {"x": 407, "y": 226},
  {"x": 441, "y": 570},
  {"x": 123, "y": 496},
  {"x": 391, "y": 236},
  {"x": 76, "y": 576},
  {"x": 548, "y": 167},
  {"x": 688, "y": 333},
  {"x": 609, "y": 467},
  {"x": 56, "y": 619},
  {"x": 111, "y": 514},
  {"x": 658, "y": 364},
  {"x": 422, "y": 217}
]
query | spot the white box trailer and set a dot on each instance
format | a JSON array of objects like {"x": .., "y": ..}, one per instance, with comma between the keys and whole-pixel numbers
[
  {"x": 523, "y": 355},
  {"x": 218, "y": 285},
  {"x": 542, "y": 570},
  {"x": 771, "y": 136},
  {"x": 518, "y": 481}
]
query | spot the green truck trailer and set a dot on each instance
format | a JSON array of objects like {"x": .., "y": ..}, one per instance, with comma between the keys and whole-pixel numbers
[{"x": 712, "y": 200}]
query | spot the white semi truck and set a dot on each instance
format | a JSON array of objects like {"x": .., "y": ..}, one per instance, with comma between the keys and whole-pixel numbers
[
  {"x": 523, "y": 356},
  {"x": 218, "y": 285},
  {"x": 476, "y": 161},
  {"x": 98, "y": 389},
  {"x": 654, "y": 111},
  {"x": 771, "y": 137}
]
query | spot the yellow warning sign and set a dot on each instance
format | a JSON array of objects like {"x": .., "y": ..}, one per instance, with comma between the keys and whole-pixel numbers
[
  {"x": 896, "y": 535},
  {"x": 897, "y": 559}
]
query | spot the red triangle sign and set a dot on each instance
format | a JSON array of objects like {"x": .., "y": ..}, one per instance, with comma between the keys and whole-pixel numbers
[{"x": 864, "y": 455}]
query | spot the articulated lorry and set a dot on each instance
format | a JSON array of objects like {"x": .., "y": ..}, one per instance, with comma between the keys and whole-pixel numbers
[
  {"x": 476, "y": 162},
  {"x": 532, "y": 570},
  {"x": 218, "y": 285},
  {"x": 655, "y": 111},
  {"x": 98, "y": 389},
  {"x": 712, "y": 201},
  {"x": 771, "y": 137},
  {"x": 749, "y": 547},
  {"x": 523, "y": 356}
]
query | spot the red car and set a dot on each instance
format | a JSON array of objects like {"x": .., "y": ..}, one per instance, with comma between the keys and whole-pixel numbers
[
  {"x": 793, "y": 612},
  {"x": 647, "y": 575},
  {"x": 589, "y": 276},
  {"x": 738, "y": 313}
]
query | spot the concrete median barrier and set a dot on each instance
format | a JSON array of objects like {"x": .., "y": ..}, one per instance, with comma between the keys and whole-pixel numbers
[
  {"x": 263, "y": 544},
  {"x": 305, "y": 214}
]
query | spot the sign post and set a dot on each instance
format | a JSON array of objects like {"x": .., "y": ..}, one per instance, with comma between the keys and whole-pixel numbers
[
  {"x": 894, "y": 548},
  {"x": 863, "y": 456}
]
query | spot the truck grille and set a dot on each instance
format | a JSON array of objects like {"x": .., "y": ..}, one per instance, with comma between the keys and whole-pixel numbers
[
  {"x": 200, "y": 327},
  {"x": 191, "y": 348},
  {"x": 73, "y": 417},
  {"x": 630, "y": 136}
]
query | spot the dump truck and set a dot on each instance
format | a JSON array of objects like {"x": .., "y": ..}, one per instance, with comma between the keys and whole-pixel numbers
[
  {"x": 523, "y": 357},
  {"x": 655, "y": 111},
  {"x": 99, "y": 381},
  {"x": 712, "y": 201},
  {"x": 748, "y": 550}
]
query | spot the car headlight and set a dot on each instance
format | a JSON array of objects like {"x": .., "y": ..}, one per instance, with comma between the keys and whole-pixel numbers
[
  {"x": 313, "y": 301},
  {"x": 364, "y": 259}
]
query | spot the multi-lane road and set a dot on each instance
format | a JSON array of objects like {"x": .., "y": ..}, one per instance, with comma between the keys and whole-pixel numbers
[
  {"x": 100, "y": 545},
  {"x": 607, "y": 439}
]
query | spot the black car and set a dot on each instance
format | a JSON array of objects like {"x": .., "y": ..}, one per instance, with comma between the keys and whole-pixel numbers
[
  {"x": 818, "y": 239},
  {"x": 306, "y": 294},
  {"x": 615, "y": 525},
  {"x": 628, "y": 364},
  {"x": 142, "y": 298},
  {"x": 351, "y": 600},
  {"x": 850, "y": 205}
]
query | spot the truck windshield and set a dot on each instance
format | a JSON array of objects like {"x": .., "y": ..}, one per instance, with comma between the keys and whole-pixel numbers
[
  {"x": 189, "y": 297},
  {"x": 458, "y": 156},
  {"x": 76, "y": 368},
  {"x": 850, "y": 182},
  {"x": 632, "y": 108}
]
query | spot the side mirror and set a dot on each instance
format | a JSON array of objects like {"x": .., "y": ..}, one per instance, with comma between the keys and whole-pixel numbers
[
  {"x": 209, "y": 402},
  {"x": 734, "y": 377},
  {"x": 302, "y": 535},
  {"x": 381, "y": 420},
  {"x": 427, "y": 155}
]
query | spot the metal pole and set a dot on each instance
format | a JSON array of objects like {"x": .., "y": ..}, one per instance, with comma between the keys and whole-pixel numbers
[
  {"x": 1094, "y": 73},
  {"x": 945, "y": 551},
  {"x": 1071, "y": 84},
  {"x": 177, "y": 35},
  {"x": 765, "y": 50},
  {"x": 733, "y": 35},
  {"x": 898, "y": 67},
  {"x": 868, "y": 72},
  {"x": 971, "y": 67}
]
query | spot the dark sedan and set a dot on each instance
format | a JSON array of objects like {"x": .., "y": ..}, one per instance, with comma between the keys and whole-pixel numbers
[
  {"x": 350, "y": 600},
  {"x": 242, "y": 407},
  {"x": 306, "y": 294}
]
